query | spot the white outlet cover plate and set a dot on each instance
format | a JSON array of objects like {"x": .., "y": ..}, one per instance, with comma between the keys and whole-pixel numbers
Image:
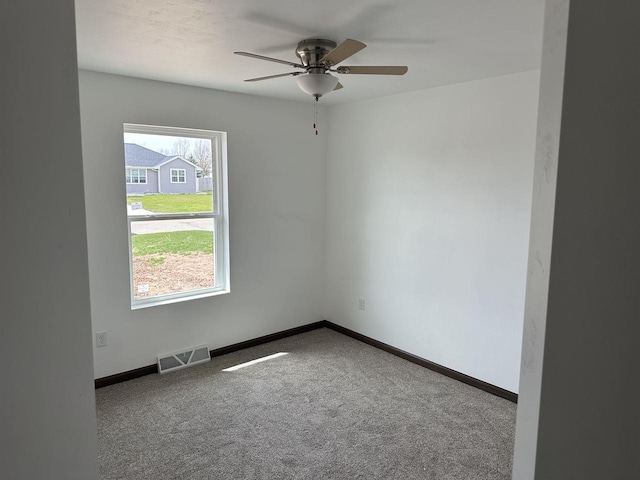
[{"x": 101, "y": 339}]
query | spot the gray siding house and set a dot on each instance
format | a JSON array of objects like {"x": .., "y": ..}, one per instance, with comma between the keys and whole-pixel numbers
[{"x": 148, "y": 171}]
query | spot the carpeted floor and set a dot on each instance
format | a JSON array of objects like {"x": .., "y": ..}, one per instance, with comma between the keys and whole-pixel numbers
[{"x": 332, "y": 408}]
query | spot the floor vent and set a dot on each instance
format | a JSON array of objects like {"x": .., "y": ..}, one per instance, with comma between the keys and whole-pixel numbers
[{"x": 183, "y": 358}]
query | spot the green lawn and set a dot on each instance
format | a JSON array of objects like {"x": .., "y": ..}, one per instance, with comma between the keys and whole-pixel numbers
[
  {"x": 177, "y": 203},
  {"x": 185, "y": 242}
]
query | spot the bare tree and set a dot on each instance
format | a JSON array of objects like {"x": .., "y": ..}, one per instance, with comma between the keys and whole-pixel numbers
[
  {"x": 202, "y": 156},
  {"x": 181, "y": 147}
]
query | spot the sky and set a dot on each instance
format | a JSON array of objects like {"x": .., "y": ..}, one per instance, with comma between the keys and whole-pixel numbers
[{"x": 159, "y": 143}]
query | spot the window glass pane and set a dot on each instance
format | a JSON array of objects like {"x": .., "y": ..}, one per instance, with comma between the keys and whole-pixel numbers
[
  {"x": 172, "y": 256},
  {"x": 178, "y": 175},
  {"x": 167, "y": 187}
]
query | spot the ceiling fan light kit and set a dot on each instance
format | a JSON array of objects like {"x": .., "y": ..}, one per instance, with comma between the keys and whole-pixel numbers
[
  {"x": 318, "y": 57},
  {"x": 317, "y": 84}
]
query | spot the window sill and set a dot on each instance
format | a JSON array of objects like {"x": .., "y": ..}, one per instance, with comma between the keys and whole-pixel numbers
[{"x": 176, "y": 298}]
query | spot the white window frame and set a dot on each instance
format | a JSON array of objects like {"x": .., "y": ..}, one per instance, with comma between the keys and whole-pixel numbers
[
  {"x": 180, "y": 172},
  {"x": 129, "y": 174},
  {"x": 220, "y": 217}
]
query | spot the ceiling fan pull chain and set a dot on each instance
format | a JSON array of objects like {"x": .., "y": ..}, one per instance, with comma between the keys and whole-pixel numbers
[{"x": 315, "y": 115}]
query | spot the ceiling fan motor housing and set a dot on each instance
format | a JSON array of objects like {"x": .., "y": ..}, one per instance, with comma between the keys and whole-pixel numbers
[{"x": 311, "y": 51}]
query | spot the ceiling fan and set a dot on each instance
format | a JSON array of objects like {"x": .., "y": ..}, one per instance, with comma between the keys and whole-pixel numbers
[{"x": 318, "y": 57}]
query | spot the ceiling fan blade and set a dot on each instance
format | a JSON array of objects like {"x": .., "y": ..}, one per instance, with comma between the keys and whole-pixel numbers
[
  {"x": 269, "y": 59},
  {"x": 291, "y": 74},
  {"x": 338, "y": 87},
  {"x": 373, "y": 70},
  {"x": 342, "y": 51}
]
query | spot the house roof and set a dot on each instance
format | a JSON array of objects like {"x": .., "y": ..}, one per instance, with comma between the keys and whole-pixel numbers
[{"x": 138, "y": 156}]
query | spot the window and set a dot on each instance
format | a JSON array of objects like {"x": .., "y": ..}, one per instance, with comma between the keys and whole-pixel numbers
[
  {"x": 136, "y": 175},
  {"x": 178, "y": 175},
  {"x": 178, "y": 234}
]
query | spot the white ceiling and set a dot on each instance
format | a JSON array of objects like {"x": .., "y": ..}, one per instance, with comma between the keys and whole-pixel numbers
[{"x": 192, "y": 41}]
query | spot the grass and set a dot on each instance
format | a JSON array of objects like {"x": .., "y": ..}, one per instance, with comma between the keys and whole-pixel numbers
[
  {"x": 183, "y": 242},
  {"x": 176, "y": 203}
]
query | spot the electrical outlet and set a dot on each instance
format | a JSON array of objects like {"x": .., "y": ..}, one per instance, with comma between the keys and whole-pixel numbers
[
  {"x": 361, "y": 303},
  {"x": 101, "y": 339}
]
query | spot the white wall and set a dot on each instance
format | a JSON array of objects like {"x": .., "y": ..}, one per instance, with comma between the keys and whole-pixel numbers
[
  {"x": 276, "y": 202},
  {"x": 47, "y": 408},
  {"x": 589, "y": 422},
  {"x": 544, "y": 194},
  {"x": 428, "y": 199},
  {"x": 428, "y": 210}
]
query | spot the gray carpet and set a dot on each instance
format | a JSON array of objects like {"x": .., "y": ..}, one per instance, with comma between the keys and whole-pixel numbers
[{"x": 333, "y": 408}]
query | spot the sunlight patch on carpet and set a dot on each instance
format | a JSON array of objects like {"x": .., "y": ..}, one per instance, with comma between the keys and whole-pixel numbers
[{"x": 253, "y": 362}]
